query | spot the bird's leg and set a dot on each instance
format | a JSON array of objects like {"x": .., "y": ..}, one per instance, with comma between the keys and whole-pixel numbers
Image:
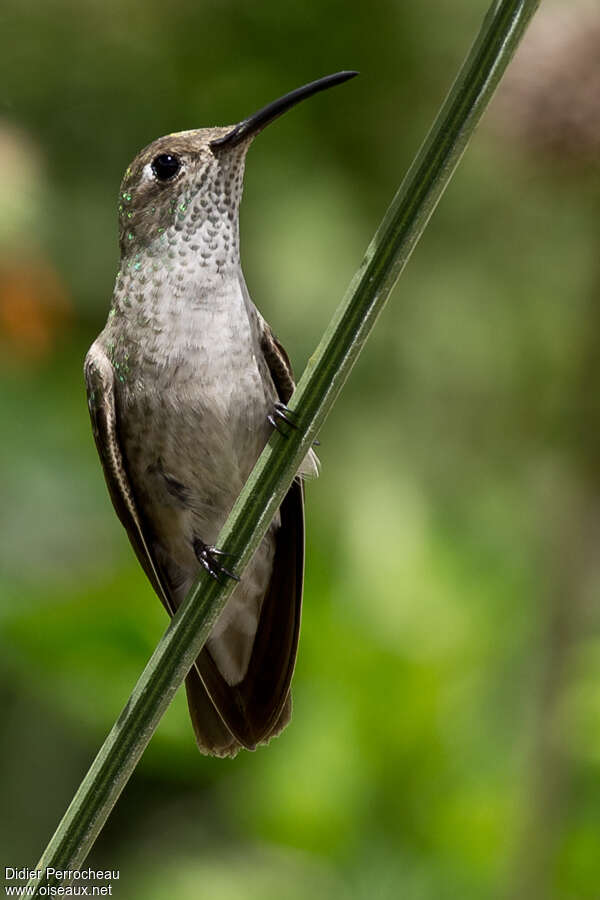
[{"x": 206, "y": 556}]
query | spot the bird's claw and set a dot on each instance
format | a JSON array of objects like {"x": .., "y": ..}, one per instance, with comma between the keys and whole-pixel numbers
[
  {"x": 206, "y": 556},
  {"x": 282, "y": 413}
]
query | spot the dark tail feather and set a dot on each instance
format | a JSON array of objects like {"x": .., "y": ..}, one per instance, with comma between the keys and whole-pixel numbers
[{"x": 212, "y": 735}]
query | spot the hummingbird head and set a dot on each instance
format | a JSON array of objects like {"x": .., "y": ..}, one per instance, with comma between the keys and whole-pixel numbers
[
  {"x": 178, "y": 187},
  {"x": 185, "y": 188}
]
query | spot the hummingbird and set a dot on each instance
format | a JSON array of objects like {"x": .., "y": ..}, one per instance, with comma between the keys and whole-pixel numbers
[{"x": 184, "y": 386}]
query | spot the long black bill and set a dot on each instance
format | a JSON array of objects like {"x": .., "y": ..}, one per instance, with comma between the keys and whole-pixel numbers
[{"x": 255, "y": 123}]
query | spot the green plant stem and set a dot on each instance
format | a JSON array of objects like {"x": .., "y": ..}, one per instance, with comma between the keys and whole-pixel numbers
[{"x": 320, "y": 384}]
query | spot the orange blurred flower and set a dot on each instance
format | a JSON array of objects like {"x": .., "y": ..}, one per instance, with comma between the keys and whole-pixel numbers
[{"x": 34, "y": 305}]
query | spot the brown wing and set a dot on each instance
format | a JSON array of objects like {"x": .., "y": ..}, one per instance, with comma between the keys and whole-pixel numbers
[
  {"x": 279, "y": 364},
  {"x": 99, "y": 377}
]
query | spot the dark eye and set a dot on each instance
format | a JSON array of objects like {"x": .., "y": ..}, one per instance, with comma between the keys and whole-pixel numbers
[{"x": 166, "y": 166}]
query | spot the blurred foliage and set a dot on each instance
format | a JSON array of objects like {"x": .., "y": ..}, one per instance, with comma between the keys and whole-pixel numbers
[{"x": 446, "y": 735}]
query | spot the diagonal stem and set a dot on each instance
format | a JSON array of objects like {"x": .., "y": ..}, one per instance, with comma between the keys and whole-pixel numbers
[{"x": 275, "y": 470}]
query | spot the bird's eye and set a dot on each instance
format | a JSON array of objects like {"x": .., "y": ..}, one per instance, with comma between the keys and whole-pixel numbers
[{"x": 166, "y": 166}]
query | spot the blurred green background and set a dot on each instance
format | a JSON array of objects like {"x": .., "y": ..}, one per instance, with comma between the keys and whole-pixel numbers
[{"x": 446, "y": 734}]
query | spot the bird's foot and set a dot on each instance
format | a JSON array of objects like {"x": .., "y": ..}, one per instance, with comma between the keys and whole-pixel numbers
[
  {"x": 281, "y": 413},
  {"x": 208, "y": 558}
]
